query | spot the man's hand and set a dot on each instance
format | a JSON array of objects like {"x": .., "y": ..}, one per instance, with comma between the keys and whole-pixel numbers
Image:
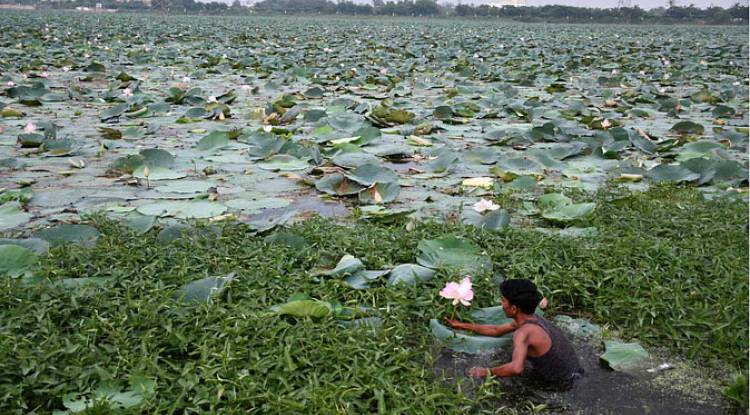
[
  {"x": 455, "y": 323},
  {"x": 478, "y": 372}
]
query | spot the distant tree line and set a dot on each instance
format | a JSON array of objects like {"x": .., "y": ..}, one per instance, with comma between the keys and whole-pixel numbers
[
  {"x": 737, "y": 14},
  {"x": 689, "y": 14}
]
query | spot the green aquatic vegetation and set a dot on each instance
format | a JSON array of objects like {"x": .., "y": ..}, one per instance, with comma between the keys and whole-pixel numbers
[{"x": 656, "y": 269}]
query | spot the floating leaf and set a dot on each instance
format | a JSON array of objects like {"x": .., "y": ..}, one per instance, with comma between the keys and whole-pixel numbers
[
  {"x": 213, "y": 141},
  {"x": 623, "y": 356},
  {"x": 304, "y": 308},
  {"x": 199, "y": 209},
  {"x": 452, "y": 252},
  {"x": 465, "y": 343},
  {"x": 205, "y": 289},
  {"x": 11, "y": 216},
  {"x": 672, "y": 173},
  {"x": 688, "y": 127},
  {"x": 40, "y": 246},
  {"x": 493, "y": 220},
  {"x": 410, "y": 274},
  {"x": 283, "y": 162},
  {"x": 337, "y": 185},
  {"x": 16, "y": 261},
  {"x": 78, "y": 234}
]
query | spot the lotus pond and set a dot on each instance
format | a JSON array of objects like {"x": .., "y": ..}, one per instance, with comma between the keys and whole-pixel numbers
[{"x": 164, "y": 180}]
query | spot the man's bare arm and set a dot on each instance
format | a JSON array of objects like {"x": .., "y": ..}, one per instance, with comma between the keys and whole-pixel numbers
[
  {"x": 483, "y": 329},
  {"x": 515, "y": 367}
]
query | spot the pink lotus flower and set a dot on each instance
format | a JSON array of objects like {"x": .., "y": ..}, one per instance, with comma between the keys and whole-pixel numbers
[
  {"x": 44, "y": 75},
  {"x": 30, "y": 128},
  {"x": 11, "y": 84},
  {"x": 484, "y": 205},
  {"x": 127, "y": 92},
  {"x": 459, "y": 292}
]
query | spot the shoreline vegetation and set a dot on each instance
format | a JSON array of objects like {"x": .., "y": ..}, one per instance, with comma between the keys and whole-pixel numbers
[
  {"x": 675, "y": 15},
  {"x": 667, "y": 268}
]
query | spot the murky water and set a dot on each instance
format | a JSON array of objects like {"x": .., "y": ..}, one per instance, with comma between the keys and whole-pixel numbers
[{"x": 600, "y": 391}]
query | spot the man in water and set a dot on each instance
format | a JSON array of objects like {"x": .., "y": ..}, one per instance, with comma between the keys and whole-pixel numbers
[{"x": 551, "y": 355}]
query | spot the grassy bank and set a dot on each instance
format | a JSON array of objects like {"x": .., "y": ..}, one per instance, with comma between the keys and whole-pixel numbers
[{"x": 665, "y": 267}]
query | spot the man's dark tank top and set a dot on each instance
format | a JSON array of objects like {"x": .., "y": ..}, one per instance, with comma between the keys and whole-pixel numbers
[{"x": 560, "y": 364}]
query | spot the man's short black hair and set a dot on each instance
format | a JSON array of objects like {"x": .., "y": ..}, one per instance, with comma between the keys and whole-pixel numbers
[{"x": 521, "y": 293}]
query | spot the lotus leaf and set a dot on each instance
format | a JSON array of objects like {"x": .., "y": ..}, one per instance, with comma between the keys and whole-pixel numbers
[
  {"x": 623, "y": 356},
  {"x": 465, "y": 343},
  {"x": 452, "y": 252}
]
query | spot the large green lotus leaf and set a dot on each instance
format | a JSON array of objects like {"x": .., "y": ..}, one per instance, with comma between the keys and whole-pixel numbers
[
  {"x": 16, "y": 261},
  {"x": 188, "y": 209},
  {"x": 410, "y": 274},
  {"x": 263, "y": 145},
  {"x": 185, "y": 186},
  {"x": 203, "y": 290},
  {"x": 287, "y": 238},
  {"x": 623, "y": 356},
  {"x": 493, "y": 220},
  {"x": 380, "y": 193},
  {"x": 723, "y": 111},
  {"x": 346, "y": 266},
  {"x": 360, "y": 280},
  {"x": 154, "y": 157},
  {"x": 283, "y": 162},
  {"x": 256, "y": 205},
  {"x": 367, "y": 134},
  {"x": 350, "y": 160},
  {"x": 452, "y": 252},
  {"x": 553, "y": 200},
  {"x": 346, "y": 121},
  {"x": 466, "y": 343},
  {"x": 304, "y": 308},
  {"x": 215, "y": 140},
  {"x": 337, "y": 185},
  {"x": 672, "y": 173},
  {"x": 490, "y": 315},
  {"x": 369, "y": 174},
  {"x": 140, "y": 223},
  {"x": 518, "y": 166},
  {"x": 269, "y": 222},
  {"x": 481, "y": 155},
  {"x": 11, "y": 215},
  {"x": 687, "y": 127},
  {"x": 699, "y": 148},
  {"x": 568, "y": 213},
  {"x": 80, "y": 234},
  {"x": 390, "y": 150},
  {"x": 113, "y": 112},
  {"x": 443, "y": 163},
  {"x": 40, "y": 246},
  {"x": 157, "y": 173}
]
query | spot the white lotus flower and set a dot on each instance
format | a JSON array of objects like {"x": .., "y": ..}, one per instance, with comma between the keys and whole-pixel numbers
[
  {"x": 246, "y": 87},
  {"x": 383, "y": 71},
  {"x": 127, "y": 92},
  {"x": 212, "y": 99},
  {"x": 185, "y": 78},
  {"x": 43, "y": 75},
  {"x": 606, "y": 123},
  {"x": 484, "y": 205},
  {"x": 11, "y": 84},
  {"x": 327, "y": 50}
]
